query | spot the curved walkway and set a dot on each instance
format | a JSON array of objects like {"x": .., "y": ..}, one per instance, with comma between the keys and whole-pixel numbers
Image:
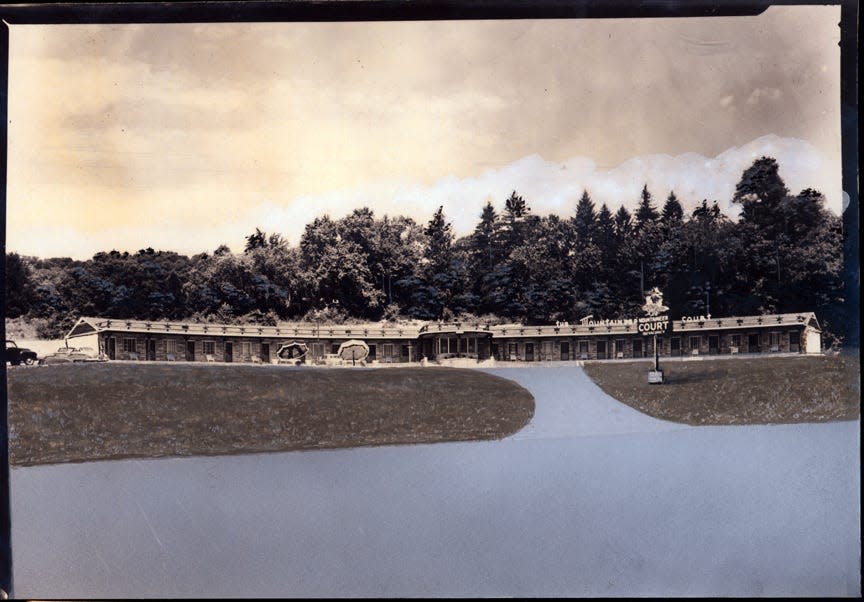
[{"x": 569, "y": 404}]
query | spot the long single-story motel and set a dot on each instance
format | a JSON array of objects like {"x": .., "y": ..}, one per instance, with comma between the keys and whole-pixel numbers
[{"x": 434, "y": 341}]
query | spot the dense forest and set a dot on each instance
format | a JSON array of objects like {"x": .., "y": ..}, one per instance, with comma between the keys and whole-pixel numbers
[{"x": 783, "y": 253}]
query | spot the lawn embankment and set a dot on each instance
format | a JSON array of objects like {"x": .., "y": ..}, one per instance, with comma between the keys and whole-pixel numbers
[
  {"x": 739, "y": 391},
  {"x": 79, "y": 412}
]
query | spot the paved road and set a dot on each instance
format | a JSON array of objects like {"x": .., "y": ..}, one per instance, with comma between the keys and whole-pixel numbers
[{"x": 592, "y": 499}]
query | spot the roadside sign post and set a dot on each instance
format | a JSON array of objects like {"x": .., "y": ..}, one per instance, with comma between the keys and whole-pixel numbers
[{"x": 656, "y": 322}]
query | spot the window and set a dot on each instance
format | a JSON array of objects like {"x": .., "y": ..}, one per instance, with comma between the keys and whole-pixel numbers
[
  {"x": 388, "y": 349},
  {"x": 736, "y": 340},
  {"x": 334, "y": 348},
  {"x": 775, "y": 341},
  {"x": 209, "y": 347},
  {"x": 317, "y": 349},
  {"x": 170, "y": 346},
  {"x": 694, "y": 344},
  {"x": 129, "y": 346},
  {"x": 245, "y": 348},
  {"x": 619, "y": 347}
]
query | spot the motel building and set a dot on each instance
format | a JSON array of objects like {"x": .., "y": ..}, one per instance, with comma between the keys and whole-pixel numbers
[{"x": 455, "y": 343}]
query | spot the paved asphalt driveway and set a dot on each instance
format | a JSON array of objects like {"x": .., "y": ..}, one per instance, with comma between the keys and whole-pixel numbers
[{"x": 591, "y": 499}]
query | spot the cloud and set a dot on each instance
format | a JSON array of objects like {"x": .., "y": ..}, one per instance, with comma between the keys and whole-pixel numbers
[
  {"x": 760, "y": 94},
  {"x": 551, "y": 187},
  {"x": 547, "y": 186}
]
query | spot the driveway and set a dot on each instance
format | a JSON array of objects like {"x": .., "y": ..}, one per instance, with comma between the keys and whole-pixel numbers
[{"x": 591, "y": 499}]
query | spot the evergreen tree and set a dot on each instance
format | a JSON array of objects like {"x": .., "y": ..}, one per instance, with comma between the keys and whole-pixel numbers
[
  {"x": 439, "y": 249},
  {"x": 585, "y": 220},
  {"x": 673, "y": 213},
  {"x": 623, "y": 224},
  {"x": 646, "y": 213}
]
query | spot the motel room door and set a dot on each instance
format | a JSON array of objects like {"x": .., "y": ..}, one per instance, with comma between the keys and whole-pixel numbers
[
  {"x": 190, "y": 351},
  {"x": 265, "y": 353},
  {"x": 753, "y": 343},
  {"x": 601, "y": 350},
  {"x": 151, "y": 350},
  {"x": 713, "y": 344},
  {"x": 112, "y": 348},
  {"x": 229, "y": 351},
  {"x": 529, "y": 352}
]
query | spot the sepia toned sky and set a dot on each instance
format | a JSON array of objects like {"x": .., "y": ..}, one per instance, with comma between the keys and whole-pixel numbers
[{"x": 183, "y": 137}]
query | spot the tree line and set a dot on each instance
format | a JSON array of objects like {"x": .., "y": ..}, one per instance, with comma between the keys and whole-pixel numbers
[{"x": 784, "y": 253}]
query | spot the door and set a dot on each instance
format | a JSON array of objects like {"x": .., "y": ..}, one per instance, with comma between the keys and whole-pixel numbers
[
  {"x": 190, "y": 351},
  {"x": 529, "y": 352},
  {"x": 713, "y": 344},
  {"x": 229, "y": 352},
  {"x": 637, "y": 348},
  {"x": 601, "y": 350},
  {"x": 151, "y": 350},
  {"x": 265, "y": 353},
  {"x": 675, "y": 346},
  {"x": 795, "y": 341},
  {"x": 565, "y": 351},
  {"x": 583, "y": 350},
  {"x": 753, "y": 343},
  {"x": 112, "y": 348}
]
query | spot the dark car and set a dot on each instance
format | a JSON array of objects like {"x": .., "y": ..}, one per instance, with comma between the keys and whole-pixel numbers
[{"x": 16, "y": 355}]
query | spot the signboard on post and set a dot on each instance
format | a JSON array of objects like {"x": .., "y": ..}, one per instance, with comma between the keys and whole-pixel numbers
[
  {"x": 653, "y": 325},
  {"x": 656, "y": 322}
]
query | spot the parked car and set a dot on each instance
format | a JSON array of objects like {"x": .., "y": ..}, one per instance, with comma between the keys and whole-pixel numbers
[
  {"x": 16, "y": 355},
  {"x": 70, "y": 355}
]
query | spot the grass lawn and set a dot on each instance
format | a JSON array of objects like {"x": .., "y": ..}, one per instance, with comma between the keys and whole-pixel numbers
[
  {"x": 759, "y": 390},
  {"x": 78, "y": 412}
]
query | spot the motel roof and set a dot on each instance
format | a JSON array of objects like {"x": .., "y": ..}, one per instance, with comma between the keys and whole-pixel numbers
[{"x": 88, "y": 325}]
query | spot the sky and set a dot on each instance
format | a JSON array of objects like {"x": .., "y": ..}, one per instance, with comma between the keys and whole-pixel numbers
[{"x": 184, "y": 137}]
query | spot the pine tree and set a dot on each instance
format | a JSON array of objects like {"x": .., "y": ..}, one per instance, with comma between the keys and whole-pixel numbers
[
  {"x": 673, "y": 213},
  {"x": 623, "y": 223},
  {"x": 646, "y": 213},
  {"x": 515, "y": 207},
  {"x": 439, "y": 249},
  {"x": 585, "y": 220}
]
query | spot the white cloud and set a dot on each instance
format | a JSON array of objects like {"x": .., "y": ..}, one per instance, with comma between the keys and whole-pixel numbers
[
  {"x": 551, "y": 187},
  {"x": 547, "y": 186},
  {"x": 760, "y": 94}
]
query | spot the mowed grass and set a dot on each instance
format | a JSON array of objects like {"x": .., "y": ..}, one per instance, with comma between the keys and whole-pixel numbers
[
  {"x": 79, "y": 412},
  {"x": 739, "y": 391}
]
